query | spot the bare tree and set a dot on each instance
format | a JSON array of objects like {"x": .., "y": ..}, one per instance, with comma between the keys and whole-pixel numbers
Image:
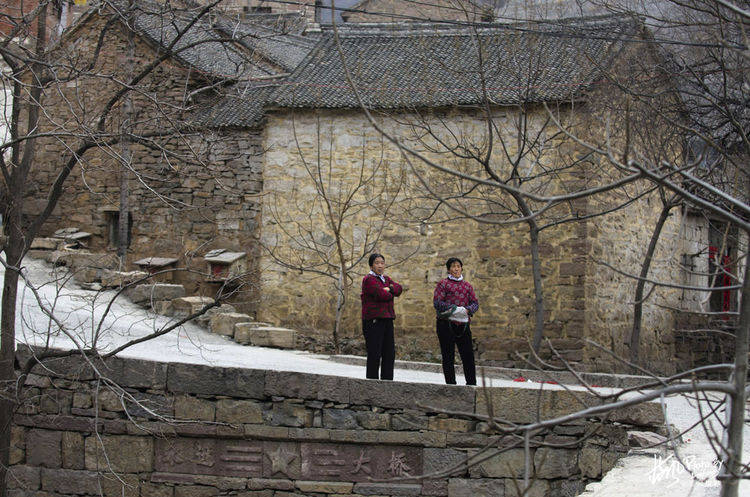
[{"x": 331, "y": 219}]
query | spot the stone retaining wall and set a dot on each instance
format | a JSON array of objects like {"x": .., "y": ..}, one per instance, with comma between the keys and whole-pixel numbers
[{"x": 207, "y": 431}]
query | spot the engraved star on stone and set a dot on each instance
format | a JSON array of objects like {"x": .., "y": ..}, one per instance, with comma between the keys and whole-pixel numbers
[{"x": 280, "y": 460}]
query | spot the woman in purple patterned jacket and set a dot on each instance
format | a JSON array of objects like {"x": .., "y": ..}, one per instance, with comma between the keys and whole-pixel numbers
[
  {"x": 455, "y": 303},
  {"x": 378, "y": 292}
]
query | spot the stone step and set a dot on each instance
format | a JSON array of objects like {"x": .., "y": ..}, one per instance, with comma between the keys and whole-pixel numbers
[
  {"x": 205, "y": 319},
  {"x": 262, "y": 335},
  {"x": 77, "y": 259},
  {"x": 223, "y": 323},
  {"x": 185, "y": 306},
  {"x": 44, "y": 243},
  {"x": 147, "y": 293},
  {"x": 118, "y": 279}
]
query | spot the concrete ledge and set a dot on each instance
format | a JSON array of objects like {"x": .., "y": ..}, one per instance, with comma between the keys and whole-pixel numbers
[
  {"x": 562, "y": 377},
  {"x": 518, "y": 405}
]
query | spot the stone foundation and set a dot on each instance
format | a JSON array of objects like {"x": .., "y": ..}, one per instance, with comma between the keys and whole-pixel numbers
[{"x": 203, "y": 431}]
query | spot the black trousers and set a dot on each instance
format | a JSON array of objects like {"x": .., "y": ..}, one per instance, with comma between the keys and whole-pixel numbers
[
  {"x": 381, "y": 348},
  {"x": 452, "y": 335}
]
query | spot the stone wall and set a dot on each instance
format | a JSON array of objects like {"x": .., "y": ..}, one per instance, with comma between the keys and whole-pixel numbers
[
  {"x": 202, "y": 431},
  {"x": 189, "y": 192},
  {"x": 580, "y": 297}
]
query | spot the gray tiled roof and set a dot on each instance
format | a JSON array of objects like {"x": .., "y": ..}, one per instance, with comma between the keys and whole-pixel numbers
[
  {"x": 201, "y": 46},
  {"x": 440, "y": 67},
  {"x": 399, "y": 66},
  {"x": 280, "y": 43},
  {"x": 241, "y": 106}
]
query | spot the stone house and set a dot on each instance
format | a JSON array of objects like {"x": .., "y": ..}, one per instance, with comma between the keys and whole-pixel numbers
[{"x": 272, "y": 105}]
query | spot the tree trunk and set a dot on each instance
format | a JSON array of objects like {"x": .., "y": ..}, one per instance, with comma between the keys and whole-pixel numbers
[
  {"x": 13, "y": 251},
  {"x": 340, "y": 302},
  {"x": 645, "y": 267},
  {"x": 536, "y": 267},
  {"x": 732, "y": 463}
]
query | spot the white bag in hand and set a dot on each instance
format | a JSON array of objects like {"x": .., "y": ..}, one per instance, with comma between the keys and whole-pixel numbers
[{"x": 460, "y": 315}]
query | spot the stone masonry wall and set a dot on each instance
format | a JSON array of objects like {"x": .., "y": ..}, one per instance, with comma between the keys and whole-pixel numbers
[
  {"x": 496, "y": 258},
  {"x": 195, "y": 194},
  {"x": 202, "y": 431}
]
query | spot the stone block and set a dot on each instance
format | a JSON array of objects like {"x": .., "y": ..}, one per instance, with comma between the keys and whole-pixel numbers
[
  {"x": 397, "y": 395},
  {"x": 155, "y": 490},
  {"x": 77, "y": 259},
  {"x": 193, "y": 408},
  {"x": 281, "y": 338},
  {"x": 307, "y": 386},
  {"x": 24, "y": 478},
  {"x": 43, "y": 448},
  {"x": 118, "y": 279},
  {"x": 270, "y": 484},
  {"x": 460, "y": 487},
  {"x": 441, "y": 460},
  {"x": 256, "y": 493},
  {"x": 267, "y": 432},
  {"x": 410, "y": 421},
  {"x": 221, "y": 482},
  {"x": 387, "y": 489},
  {"x": 87, "y": 275},
  {"x": 186, "y": 306},
  {"x": 435, "y": 487},
  {"x": 450, "y": 424},
  {"x": 324, "y": 487},
  {"x": 68, "y": 481},
  {"x": 340, "y": 419},
  {"x": 290, "y": 414},
  {"x": 555, "y": 463},
  {"x": 223, "y": 323},
  {"x": 56, "y": 401},
  {"x": 162, "y": 307},
  {"x": 590, "y": 460},
  {"x": 136, "y": 373},
  {"x": 110, "y": 401},
  {"x": 72, "y": 450},
  {"x": 120, "y": 486},
  {"x": 127, "y": 454},
  {"x": 645, "y": 414},
  {"x": 238, "y": 411},
  {"x": 41, "y": 243},
  {"x": 420, "y": 438},
  {"x": 536, "y": 488},
  {"x": 356, "y": 436},
  {"x": 206, "y": 380},
  {"x": 195, "y": 491},
  {"x": 521, "y": 405},
  {"x": 147, "y": 293},
  {"x": 204, "y": 319},
  {"x": 609, "y": 459},
  {"x": 373, "y": 420},
  {"x": 508, "y": 464},
  {"x": 17, "y": 444}
]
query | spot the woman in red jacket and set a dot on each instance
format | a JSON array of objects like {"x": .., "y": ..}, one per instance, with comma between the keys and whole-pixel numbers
[{"x": 378, "y": 292}]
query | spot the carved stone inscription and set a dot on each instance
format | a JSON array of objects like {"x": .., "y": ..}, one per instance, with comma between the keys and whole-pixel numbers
[
  {"x": 355, "y": 462},
  {"x": 310, "y": 461},
  {"x": 210, "y": 457}
]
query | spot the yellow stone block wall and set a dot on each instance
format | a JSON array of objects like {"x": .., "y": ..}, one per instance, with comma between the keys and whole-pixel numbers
[{"x": 581, "y": 300}]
